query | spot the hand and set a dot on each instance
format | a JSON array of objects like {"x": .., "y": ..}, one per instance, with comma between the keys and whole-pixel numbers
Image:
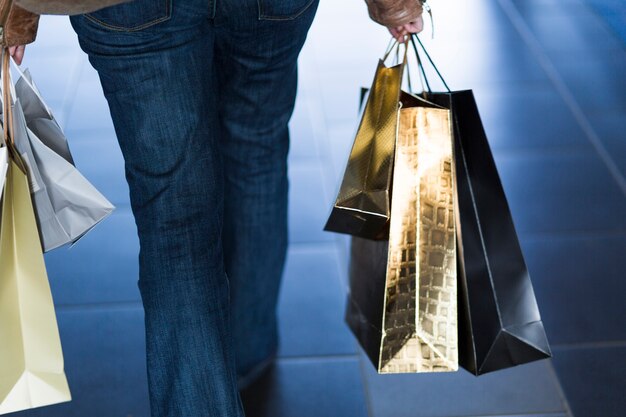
[
  {"x": 17, "y": 52},
  {"x": 401, "y": 32}
]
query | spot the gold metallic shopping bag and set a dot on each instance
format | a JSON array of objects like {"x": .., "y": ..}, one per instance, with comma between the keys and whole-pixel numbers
[
  {"x": 403, "y": 292},
  {"x": 362, "y": 206}
]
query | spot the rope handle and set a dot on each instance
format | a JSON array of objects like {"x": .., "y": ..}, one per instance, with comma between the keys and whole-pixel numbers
[
  {"x": 420, "y": 63},
  {"x": 7, "y": 110}
]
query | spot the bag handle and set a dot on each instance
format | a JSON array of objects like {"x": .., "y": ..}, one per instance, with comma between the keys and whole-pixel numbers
[
  {"x": 420, "y": 63},
  {"x": 7, "y": 111}
]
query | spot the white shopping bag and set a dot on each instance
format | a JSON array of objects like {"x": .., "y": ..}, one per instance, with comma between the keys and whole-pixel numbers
[
  {"x": 4, "y": 165},
  {"x": 39, "y": 117},
  {"x": 66, "y": 204}
]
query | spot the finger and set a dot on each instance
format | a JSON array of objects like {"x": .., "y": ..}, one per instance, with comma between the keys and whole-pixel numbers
[
  {"x": 12, "y": 50},
  {"x": 415, "y": 27},
  {"x": 395, "y": 33},
  {"x": 19, "y": 54}
]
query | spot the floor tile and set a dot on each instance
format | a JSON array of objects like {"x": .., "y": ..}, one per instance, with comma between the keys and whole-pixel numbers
[
  {"x": 594, "y": 380},
  {"x": 340, "y": 139},
  {"x": 530, "y": 415},
  {"x": 488, "y": 22},
  {"x": 312, "y": 304},
  {"x": 341, "y": 89},
  {"x": 89, "y": 109},
  {"x": 465, "y": 64},
  {"x": 302, "y": 144},
  {"x": 523, "y": 120},
  {"x": 526, "y": 389},
  {"x": 561, "y": 191},
  {"x": 579, "y": 286},
  {"x": 102, "y": 267},
  {"x": 309, "y": 204},
  {"x": 571, "y": 32},
  {"x": 598, "y": 84},
  {"x": 617, "y": 25},
  {"x": 552, "y": 7},
  {"x": 308, "y": 388},
  {"x": 606, "y": 7},
  {"x": 105, "y": 364},
  {"x": 611, "y": 129}
]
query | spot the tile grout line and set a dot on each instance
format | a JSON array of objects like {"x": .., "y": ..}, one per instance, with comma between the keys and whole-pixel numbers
[
  {"x": 547, "y": 65},
  {"x": 564, "y": 401},
  {"x": 570, "y": 234},
  {"x": 316, "y": 358},
  {"x": 117, "y": 305},
  {"x": 590, "y": 345},
  {"x": 539, "y": 413},
  {"x": 603, "y": 20}
]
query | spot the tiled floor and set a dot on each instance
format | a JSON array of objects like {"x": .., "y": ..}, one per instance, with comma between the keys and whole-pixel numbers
[{"x": 549, "y": 80}]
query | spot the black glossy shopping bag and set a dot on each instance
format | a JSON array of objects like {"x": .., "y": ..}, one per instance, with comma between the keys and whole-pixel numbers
[{"x": 500, "y": 324}]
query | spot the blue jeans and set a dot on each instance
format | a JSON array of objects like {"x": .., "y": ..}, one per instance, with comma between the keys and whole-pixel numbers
[{"x": 200, "y": 92}]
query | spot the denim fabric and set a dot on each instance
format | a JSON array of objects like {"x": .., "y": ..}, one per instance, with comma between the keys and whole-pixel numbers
[{"x": 200, "y": 92}]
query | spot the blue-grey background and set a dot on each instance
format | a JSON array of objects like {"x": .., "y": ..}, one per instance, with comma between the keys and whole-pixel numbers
[{"x": 549, "y": 76}]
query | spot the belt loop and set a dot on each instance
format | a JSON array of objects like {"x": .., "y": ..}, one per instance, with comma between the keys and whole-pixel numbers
[{"x": 212, "y": 8}]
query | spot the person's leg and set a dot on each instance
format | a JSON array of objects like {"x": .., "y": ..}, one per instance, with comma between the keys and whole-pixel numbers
[
  {"x": 257, "y": 46},
  {"x": 155, "y": 61}
]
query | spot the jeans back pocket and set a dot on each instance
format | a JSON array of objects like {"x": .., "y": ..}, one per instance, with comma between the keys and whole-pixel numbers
[
  {"x": 132, "y": 16},
  {"x": 283, "y": 9}
]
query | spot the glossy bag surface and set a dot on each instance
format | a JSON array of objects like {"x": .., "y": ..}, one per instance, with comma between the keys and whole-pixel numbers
[
  {"x": 402, "y": 304},
  {"x": 500, "y": 323},
  {"x": 363, "y": 204}
]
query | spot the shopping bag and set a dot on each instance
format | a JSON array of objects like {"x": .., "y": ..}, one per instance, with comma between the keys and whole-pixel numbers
[
  {"x": 67, "y": 205},
  {"x": 31, "y": 358},
  {"x": 500, "y": 323},
  {"x": 403, "y": 291},
  {"x": 39, "y": 118},
  {"x": 77, "y": 206},
  {"x": 4, "y": 166},
  {"x": 362, "y": 206}
]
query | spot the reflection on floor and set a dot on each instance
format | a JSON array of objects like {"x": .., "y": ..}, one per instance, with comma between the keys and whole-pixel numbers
[{"x": 549, "y": 79}]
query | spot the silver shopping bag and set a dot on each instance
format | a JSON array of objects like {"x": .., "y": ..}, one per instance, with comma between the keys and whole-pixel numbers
[
  {"x": 39, "y": 117},
  {"x": 66, "y": 204}
]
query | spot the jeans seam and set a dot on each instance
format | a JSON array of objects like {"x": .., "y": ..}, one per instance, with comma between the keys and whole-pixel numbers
[
  {"x": 168, "y": 15},
  {"x": 283, "y": 18}
]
